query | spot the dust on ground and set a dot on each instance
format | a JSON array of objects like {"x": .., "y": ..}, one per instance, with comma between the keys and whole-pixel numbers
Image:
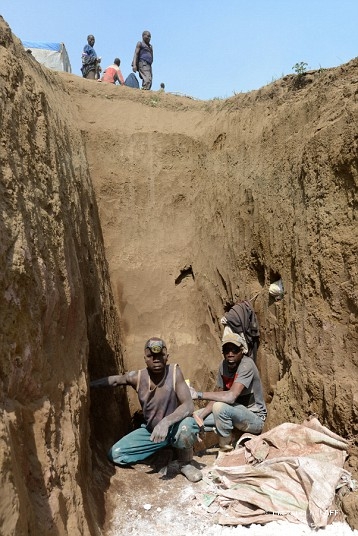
[{"x": 143, "y": 502}]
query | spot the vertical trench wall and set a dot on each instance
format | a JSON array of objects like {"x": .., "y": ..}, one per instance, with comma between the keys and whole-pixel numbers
[
  {"x": 201, "y": 203},
  {"x": 57, "y": 313}
]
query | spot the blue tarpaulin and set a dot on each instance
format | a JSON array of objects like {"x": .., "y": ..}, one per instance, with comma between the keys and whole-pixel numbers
[
  {"x": 52, "y": 55},
  {"x": 43, "y": 45}
]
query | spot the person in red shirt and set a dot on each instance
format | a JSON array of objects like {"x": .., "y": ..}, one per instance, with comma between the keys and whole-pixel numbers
[{"x": 113, "y": 73}]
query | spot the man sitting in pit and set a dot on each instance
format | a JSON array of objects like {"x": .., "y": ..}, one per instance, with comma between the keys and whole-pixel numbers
[
  {"x": 238, "y": 402},
  {"x": 167, "y": 409}
]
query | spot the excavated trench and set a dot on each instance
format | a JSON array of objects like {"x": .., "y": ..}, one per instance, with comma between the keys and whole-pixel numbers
[{"x": 128, "y": 214}]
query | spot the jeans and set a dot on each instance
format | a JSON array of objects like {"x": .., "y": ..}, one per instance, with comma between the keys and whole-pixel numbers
[
  {"x": 137, "y": 445},
  {"x": 225, "y": 417}
]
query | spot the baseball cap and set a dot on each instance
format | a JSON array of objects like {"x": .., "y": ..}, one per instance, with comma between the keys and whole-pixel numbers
[
  {"x": 235, "y": 338},
  {"x": 155, "y": 345}
]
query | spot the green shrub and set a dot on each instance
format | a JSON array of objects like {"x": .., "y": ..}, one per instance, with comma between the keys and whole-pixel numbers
[{"x": 300, "y": 68}]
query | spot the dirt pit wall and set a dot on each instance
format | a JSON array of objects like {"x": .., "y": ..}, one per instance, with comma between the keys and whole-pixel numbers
[
  {"x": 201, "y": 203},
  {"x": 57, "y": 311}
]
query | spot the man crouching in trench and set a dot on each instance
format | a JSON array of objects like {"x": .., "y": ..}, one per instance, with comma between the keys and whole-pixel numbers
[{"x": 167, "y": 409}]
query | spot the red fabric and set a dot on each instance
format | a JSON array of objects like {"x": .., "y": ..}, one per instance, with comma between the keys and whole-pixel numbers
[
  {"x": 228, "y": 382},
  {"x": 111, "y": 74}
]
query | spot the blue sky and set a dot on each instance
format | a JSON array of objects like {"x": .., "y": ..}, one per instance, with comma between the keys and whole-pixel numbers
[{"x": 205, "y": 49}]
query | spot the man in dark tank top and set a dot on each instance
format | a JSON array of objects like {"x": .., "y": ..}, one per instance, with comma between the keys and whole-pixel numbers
[
  {"x": 167, "y": 410},
  {"x": 143, "y": 59}
]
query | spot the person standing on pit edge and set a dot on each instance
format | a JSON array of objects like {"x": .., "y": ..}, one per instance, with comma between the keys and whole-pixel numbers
[
  {"x": 143, "y": 59},
  {"x": 90, "y": 61}
]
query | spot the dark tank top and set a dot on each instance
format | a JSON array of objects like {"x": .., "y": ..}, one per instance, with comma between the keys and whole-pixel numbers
[
  {"x": 145, "y": 53},
  {"x": 160, "y": 401}
]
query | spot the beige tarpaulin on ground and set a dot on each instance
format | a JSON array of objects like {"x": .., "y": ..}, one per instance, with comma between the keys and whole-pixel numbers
[{"x": 292, "y": 471}]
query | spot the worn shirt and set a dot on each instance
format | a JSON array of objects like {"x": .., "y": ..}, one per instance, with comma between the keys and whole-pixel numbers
[
  {"x": 248, "y": 375},
  {"x": 89, "y": 60},
  {"x": 146, "y": 53},
  {"x": 159, "y": 401},
  {"x": 113, "y": 74}
]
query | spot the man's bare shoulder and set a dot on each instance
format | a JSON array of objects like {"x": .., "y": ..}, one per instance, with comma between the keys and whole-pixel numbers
[
  {"x": 132, "y": 377},
  {"x": 179, "y": 377}
]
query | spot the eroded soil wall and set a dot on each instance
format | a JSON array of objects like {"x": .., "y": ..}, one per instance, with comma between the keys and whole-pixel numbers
[
  {"x": 57, "y": 312},
  {"x": 201, "y": 203}
]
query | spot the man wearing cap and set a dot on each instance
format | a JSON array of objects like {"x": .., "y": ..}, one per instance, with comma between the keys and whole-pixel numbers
[
  {"x": 167, "y": 410},
  {"x": 239, "y": 401}
]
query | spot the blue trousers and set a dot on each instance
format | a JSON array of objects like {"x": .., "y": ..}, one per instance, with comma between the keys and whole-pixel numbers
[
  {"x": 225, "y": 417},
  {"x": 137, "y": 446}
]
